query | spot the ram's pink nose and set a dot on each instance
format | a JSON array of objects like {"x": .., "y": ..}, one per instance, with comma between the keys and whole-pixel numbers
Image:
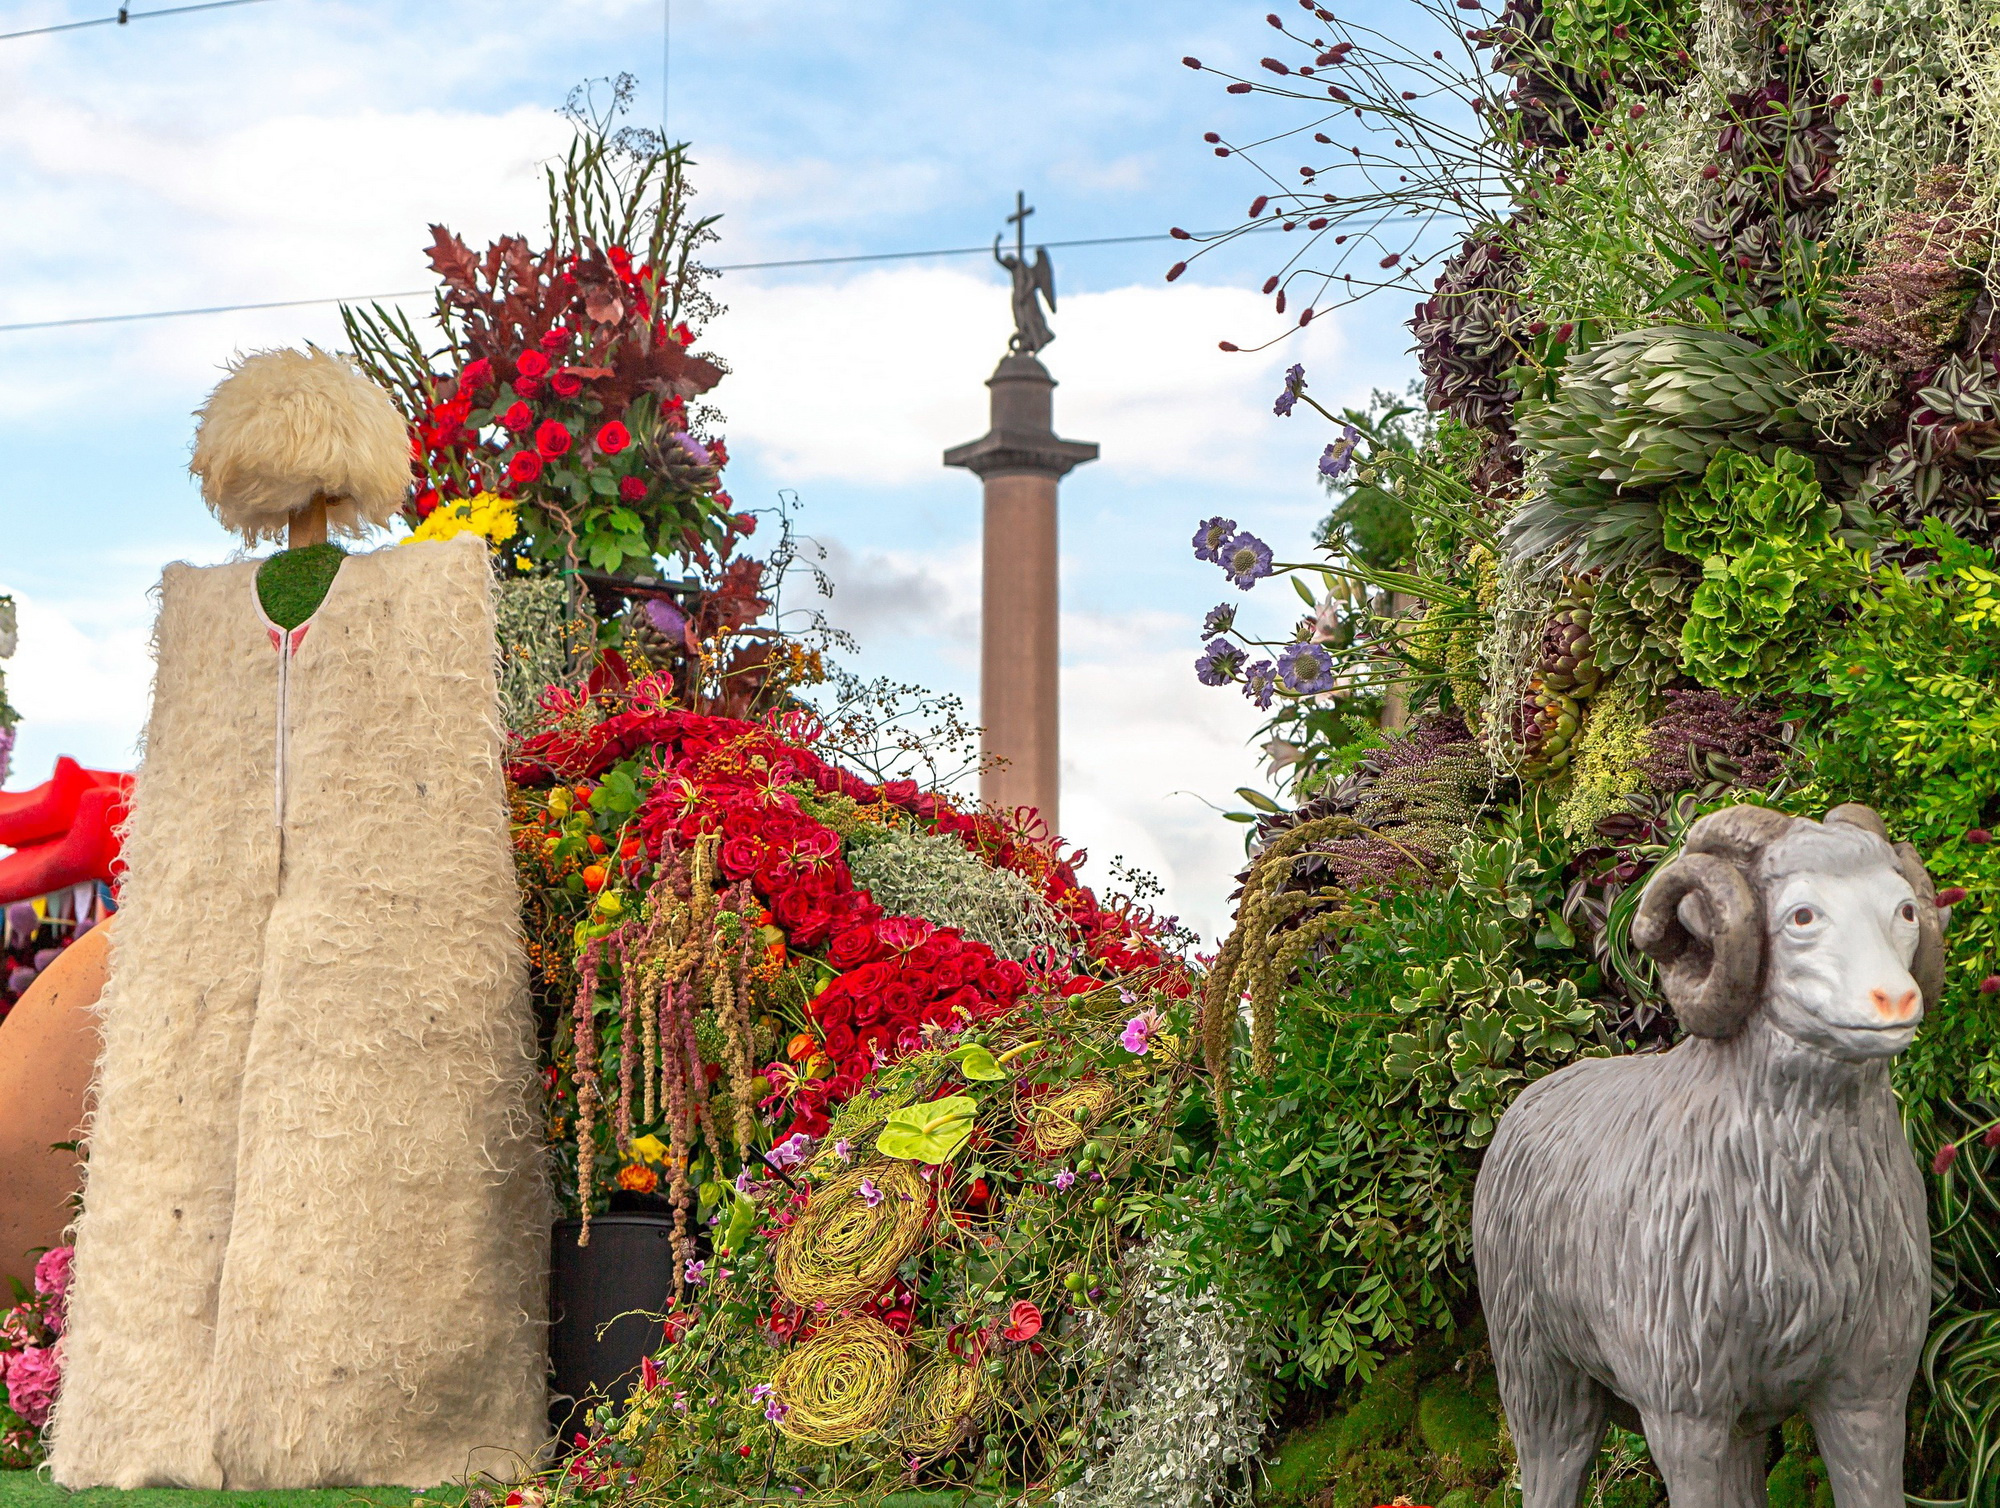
[{"x": 1897, "y": 1010}]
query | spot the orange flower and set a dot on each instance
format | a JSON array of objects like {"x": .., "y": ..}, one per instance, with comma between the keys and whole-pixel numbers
[
  {"x": 801, "y": 1046},
  {"x": 637, "y": 1177},
  {"x": 593, "y": 877}
]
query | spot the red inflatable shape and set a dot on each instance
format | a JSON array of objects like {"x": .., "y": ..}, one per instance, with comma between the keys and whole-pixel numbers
[{"x": 81, "y": 847}]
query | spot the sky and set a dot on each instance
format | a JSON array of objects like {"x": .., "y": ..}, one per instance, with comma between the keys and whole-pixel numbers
[{"x": 297, "y": 149}]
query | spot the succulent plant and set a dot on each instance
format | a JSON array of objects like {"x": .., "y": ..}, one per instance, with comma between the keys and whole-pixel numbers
[
  {"x": 1742, "y": 499},
  {"x": 1566, "y": 674},
  {"x": 1755, "y": 617},
  {"x": 1658, "y": 404},
  {"x": 1947, "y": 464},
  {"x": 1551, "y": 104},
  {"x": 1467, "y": 336},
  {"x": 1637, "y": 619},
  {"x": 1775, "y": 183}
]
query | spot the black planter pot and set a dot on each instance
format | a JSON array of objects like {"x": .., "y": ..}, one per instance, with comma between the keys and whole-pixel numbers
[{"x": 628, "y": 1266}]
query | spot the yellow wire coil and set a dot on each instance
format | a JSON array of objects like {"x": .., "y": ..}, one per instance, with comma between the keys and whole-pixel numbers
[
  {"x": 1053, "y": 1125},
  {"x": 944, "y": 1396},
  {"x": 842, "y": 1383},
  {"x": 842, "y": 1247}
]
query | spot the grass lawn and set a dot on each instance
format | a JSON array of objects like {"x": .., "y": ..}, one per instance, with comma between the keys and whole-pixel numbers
[{"x": 30, "y": 1489}]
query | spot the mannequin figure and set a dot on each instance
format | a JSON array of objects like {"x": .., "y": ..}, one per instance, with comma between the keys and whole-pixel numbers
[{"x": 313, "y": 1242}]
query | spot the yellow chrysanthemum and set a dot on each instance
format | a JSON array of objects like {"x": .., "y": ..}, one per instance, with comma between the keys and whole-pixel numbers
[{"x": 489, "y": 515}]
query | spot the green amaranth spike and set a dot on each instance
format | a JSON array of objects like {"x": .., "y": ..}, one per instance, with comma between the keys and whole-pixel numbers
[{"x": 293, "y": 583}]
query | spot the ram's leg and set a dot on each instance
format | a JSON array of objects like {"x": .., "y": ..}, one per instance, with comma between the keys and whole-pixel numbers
[
  {"x": 1556, "y": 1416},
  {"x": 1862, "y": 1445},
  {"x": 1707, "y": 1463}
]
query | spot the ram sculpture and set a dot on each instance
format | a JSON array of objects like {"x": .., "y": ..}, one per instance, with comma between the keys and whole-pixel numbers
[{"x": 1704, "y": 1242}]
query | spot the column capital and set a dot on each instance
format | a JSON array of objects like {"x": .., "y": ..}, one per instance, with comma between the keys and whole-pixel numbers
[{"x": 1023, "y": 438}]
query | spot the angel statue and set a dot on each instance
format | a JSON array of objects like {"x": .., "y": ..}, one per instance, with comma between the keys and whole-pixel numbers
[{"x": 1031, "y": 330}]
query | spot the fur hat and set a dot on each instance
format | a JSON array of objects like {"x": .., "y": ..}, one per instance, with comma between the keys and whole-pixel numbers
[{"x": 287, "y": 426}]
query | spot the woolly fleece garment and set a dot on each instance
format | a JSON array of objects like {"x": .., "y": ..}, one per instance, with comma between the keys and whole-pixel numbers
[{"x": 314, "y": 1240}]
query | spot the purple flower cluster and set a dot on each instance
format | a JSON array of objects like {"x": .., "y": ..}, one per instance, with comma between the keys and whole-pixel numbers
[
  {"x": 1295, "y": 383},
  {"x": 1219, "y": 662},
  {"x": 1339, "y": 456}
]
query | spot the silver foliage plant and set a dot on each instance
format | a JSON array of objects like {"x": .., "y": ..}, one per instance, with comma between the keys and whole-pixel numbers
[
  {"x": 933, "y": 876},
  {"x": 1180, "y": 1417}
]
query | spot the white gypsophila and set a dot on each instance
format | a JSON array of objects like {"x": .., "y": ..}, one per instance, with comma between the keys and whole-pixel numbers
[{"x": 1182, "y": 1417}]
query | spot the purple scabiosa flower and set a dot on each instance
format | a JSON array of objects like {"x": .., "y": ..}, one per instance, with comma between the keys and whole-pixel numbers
[
  {"x": 1064, "y": 1179},
  {"x": 1245, "y": 560},
  {"x": 1219, "y": 662},
  {"x": 1295, "y": 383},
  {"x": 1213, "y": 537},
  {"x": 1340, "y": 454},
  {"x": 1221, "y": 618},
  {"x": 1306, "y": 669},
  {"x": 870, "y": 1195},
  {"x": 1259, "y": 682}
]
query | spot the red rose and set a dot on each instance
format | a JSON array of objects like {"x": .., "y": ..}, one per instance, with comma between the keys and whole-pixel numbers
[
  {"x": 477, "y": 375},
  {"x": 556, "y": 339},
  {"x": 869, "y": 1009},
  {"x": 524, "y": 467},
  {"x": 632, "y": 489},
  {"x": 566, "y": 383},
  {"x": 527, "y": 387},
  {"x": 517, "y": 418},
  {"x": 899, "y": 1000},
  {"x": 738, "y": 856},
  {"x": 613, "y": 438},
  {"x": 949, "y": 973},
  {"x": 839, "y": 1042},
  {"x": 877, "y": 1038},
  {"x": 533, "y": 364},
  {"x": 552, "y": 439},
  {"x": 851, "y": 947},
  {"x": 746, "y": 523},
  {"x": 870, "y": 977}
]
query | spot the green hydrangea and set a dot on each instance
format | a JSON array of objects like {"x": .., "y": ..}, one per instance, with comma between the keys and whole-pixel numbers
[
  {"x": 1742, "y": 499},
  {"x": 1756, "y": 618}
]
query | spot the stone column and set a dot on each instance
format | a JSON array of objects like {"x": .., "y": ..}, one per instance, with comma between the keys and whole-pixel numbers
[{"x": 1020, "y": 461}]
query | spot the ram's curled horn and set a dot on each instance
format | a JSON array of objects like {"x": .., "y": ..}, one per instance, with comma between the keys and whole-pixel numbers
[
  {"x": 1927, "y": 968},
  {"x": 1699, "y": 920}
]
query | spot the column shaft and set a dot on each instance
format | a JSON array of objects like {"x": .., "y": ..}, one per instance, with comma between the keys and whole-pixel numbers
[{"x": 1018, "y": 666}]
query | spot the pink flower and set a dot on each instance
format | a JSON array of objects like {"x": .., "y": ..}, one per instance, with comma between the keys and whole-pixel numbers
[
  {"x": 1138, "y": 1034},
  {"x": 1064, "y": 1179},
  {"x": 32, "y": 1379},
  {"x": 52, "y": 1275},
  {"x": 870, "y": 1195}
]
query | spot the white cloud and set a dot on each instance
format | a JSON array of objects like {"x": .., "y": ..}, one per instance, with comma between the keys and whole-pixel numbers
[
  {"x": 871, "y": 378},
  {"x": 80, "y": 680}
]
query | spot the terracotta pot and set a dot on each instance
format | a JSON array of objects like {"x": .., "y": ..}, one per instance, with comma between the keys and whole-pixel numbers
[{"x": 48, "y": 1049}]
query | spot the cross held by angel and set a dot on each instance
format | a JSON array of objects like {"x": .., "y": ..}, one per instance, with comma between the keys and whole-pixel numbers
[{"x": 1031, "y": 328}]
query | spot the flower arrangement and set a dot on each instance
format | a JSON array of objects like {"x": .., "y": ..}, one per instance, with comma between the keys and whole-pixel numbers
[{"x": 31, "y": 1359}]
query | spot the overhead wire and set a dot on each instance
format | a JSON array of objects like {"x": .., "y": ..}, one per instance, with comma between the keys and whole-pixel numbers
[
  {"x": 384, "y": 298},
  {"x": 125, "y": 15}
]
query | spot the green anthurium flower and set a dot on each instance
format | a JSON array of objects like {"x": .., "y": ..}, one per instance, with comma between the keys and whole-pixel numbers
[
  {"x": 929, "y": 1132},
  {"x": 977, "y": 1063}
]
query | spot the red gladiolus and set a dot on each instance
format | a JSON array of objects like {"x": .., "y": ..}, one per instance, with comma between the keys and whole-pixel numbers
[
  {"x": 517, "y": 418},
  {"x": 1024, "y": 1322},
  {"x": 632, "y": 489},
  {"x": 524, "y": 467},
  {"x": 613, "y": 438},
  {"x": 533, "y": 364},
  {"x": 552, "y": 439}
]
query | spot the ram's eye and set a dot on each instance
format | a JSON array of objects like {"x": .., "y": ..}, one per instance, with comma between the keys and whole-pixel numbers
[
  {"x": 1803, "y": 917},
  {"x": 1907, "y": 911}
]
